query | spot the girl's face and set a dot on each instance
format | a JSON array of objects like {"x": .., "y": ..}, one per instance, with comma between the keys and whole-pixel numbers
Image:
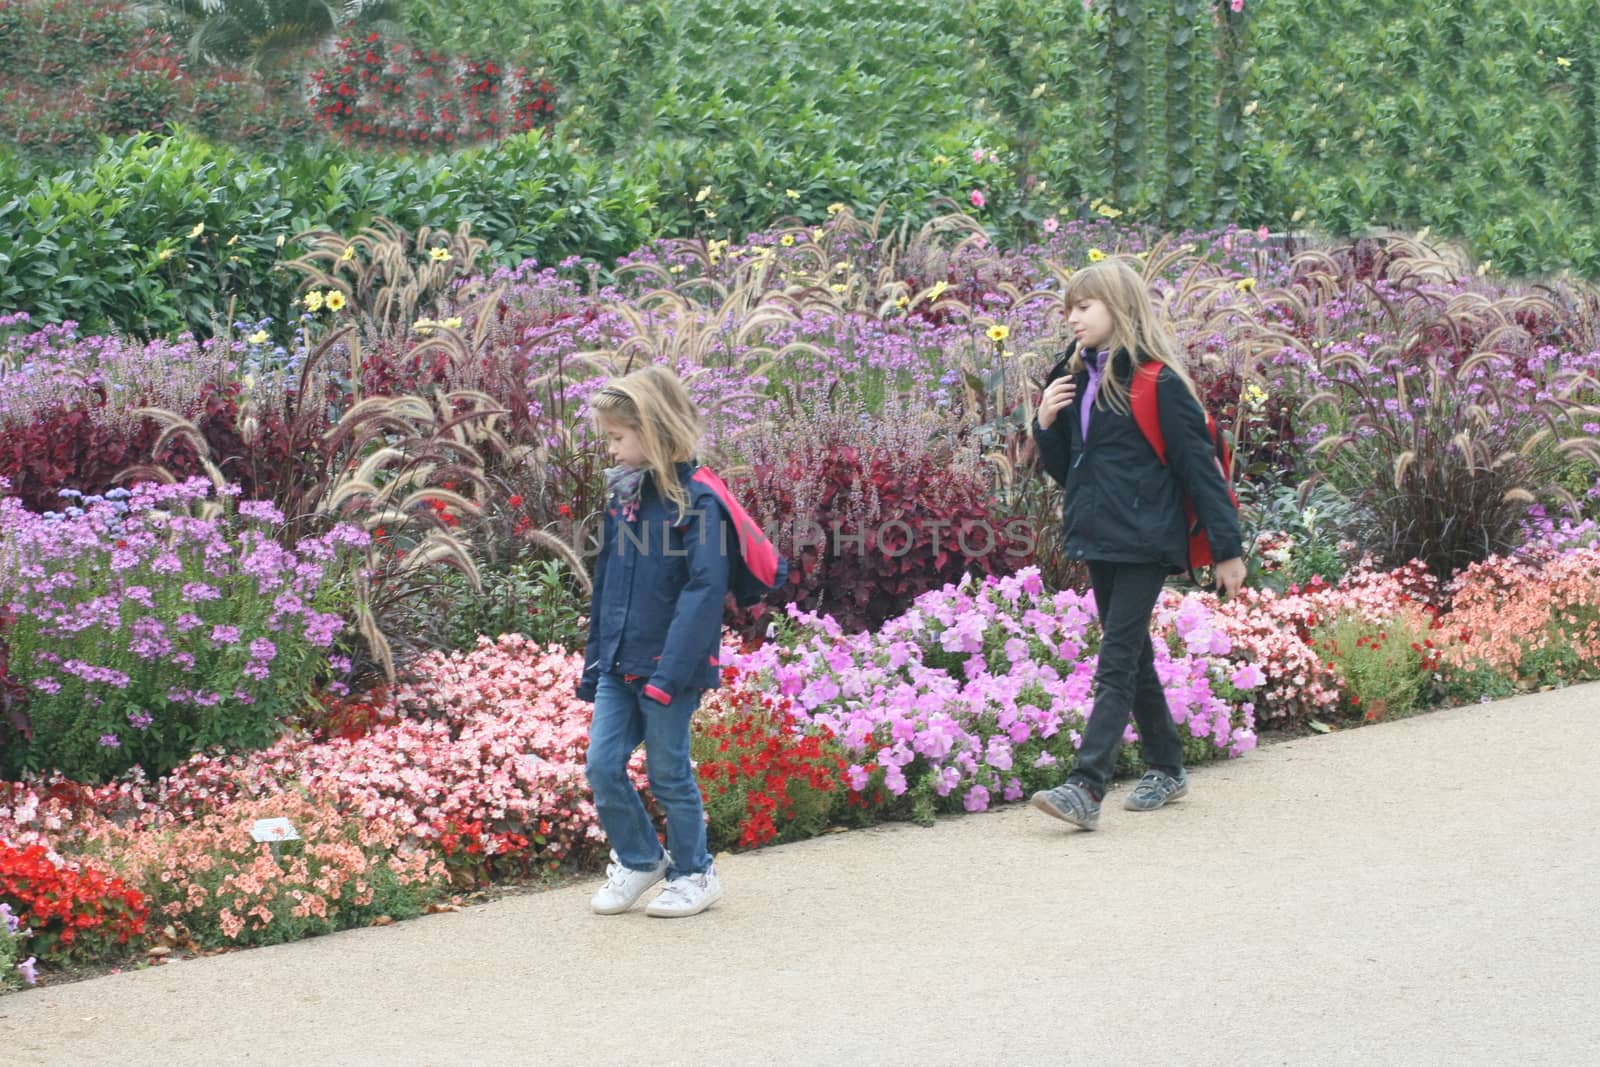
[
  {"x": 624, "y": 444},
  {"x": 1091, "y": 322}
]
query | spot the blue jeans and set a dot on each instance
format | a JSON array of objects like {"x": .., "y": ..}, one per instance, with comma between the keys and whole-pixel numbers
[{"x": 624, "y": 716}]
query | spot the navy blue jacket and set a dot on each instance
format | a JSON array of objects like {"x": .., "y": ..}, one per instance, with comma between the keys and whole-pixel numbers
[
  {"x": 659, "y": 585},
  {"x": 1121, "y": 505}
]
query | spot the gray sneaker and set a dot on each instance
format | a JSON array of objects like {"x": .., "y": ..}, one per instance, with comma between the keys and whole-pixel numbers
[
  {"x": 1155, "y": 789},
  {"x": 1069, "y": 803}
]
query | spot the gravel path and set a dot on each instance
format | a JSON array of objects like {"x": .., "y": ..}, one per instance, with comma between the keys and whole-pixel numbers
[{"x": 1423, "y": 892}]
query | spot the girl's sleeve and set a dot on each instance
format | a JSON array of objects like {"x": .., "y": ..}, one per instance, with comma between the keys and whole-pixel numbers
[
  {"x": 1055, "y": 443},
  {"x": 590, "y": 680},
  {"x": 1192, "y": 456},
  {"x": 697, "y": 620}
]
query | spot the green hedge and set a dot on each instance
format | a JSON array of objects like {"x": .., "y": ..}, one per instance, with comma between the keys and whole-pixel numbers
[
  {"x": 1474, "y": 117},
  {"x": 115, "y": 243},
  {"x": 1402, "y": 113}
]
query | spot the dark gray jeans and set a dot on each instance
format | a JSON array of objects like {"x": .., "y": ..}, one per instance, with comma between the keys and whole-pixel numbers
[{"x": 1125, "y": 680}]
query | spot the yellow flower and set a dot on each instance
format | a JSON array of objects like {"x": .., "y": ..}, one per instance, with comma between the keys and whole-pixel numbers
[
  {"x": 710, "y": 214},
  {"x": 836, "y": 287},
  {"x": 902, "y": 302},
  {"x": 1255, "y": 395},
  {"x": 233, "y": 240},
  {"x": 164, "y": 255},
  {"x": 1038, "y": 91},
  {"x": 1246, "y": 284},
  {"x": 940, "y": 161},
  {"x": 335, "y": 301},
  {"x": 1095, "y": 255},
  {"x": 453, "y": 322},
  {"x": 349, "y": 254},
  {"x": 313, "y": 301},
  {"x": 199, "y": 228},
  {"x": 835, "y": 208},
  {"x": 424, "y": 326},
  {"x": 677, "y": 268},
  {"x": 1563, "y": 61},
  {"x": 715, "y": 257},
  {"x": 841, "y": 266},
  {"x": 791, "y": 194},
  {"x": 705, "y": 191},
  {"x": 441, "y": 255},
  {"x": 1109, "y": 212},
  {"x": 938, "y": 289},
  {"x": 258, "y": 338},
  {"x": 786, "y": 240},
  {"x": 816, "y": 233},
  {"x": 998, "y": 333}
]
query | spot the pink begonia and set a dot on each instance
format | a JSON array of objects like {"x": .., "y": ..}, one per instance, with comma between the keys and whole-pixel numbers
[
  {"x": 1051, "y": 224},
  {"x": 977, "y": 198}
]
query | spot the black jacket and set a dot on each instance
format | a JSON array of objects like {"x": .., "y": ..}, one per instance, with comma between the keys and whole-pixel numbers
[{"x": 1121, "y": 505}]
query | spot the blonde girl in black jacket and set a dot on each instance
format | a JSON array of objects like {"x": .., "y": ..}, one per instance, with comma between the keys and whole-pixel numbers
[{"x": 1123, "y": 514}]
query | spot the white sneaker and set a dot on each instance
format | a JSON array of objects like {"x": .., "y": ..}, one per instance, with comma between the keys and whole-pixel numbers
[
  {"x": 687, "y": 894},
  {"x": 624, "y": 886}
]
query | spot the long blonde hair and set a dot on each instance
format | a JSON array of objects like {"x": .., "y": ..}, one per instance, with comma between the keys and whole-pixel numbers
[
  {"x": 653, "y": 402},
  {"x": 1136, "y": 325}
]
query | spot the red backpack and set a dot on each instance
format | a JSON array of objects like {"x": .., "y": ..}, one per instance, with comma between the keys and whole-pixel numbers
[{"x": 1146, "y": 412}]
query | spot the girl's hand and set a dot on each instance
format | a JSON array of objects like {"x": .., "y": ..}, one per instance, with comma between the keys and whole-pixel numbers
[
  {"x": 1057, "y": 395},
  {"x": 1230, "y": 576}
]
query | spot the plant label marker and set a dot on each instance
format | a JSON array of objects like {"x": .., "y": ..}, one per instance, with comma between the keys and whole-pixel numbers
[{"x": 273, "y": 831}]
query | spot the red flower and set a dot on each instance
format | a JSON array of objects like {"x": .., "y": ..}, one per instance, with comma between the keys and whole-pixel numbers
[{"x": 515, "y": 501}]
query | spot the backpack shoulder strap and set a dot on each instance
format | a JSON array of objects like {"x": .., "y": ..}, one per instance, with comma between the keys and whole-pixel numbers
[
  {"x": 1146, "y": 411},
  {"x": 758, "y": 553}
]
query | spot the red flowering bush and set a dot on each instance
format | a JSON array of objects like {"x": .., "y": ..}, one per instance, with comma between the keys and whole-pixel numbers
[
  {"x": 871, "y": 512},
  {"x": 74, "y": 912},
  {"x": 387, "y": 93},
  {"x": 83, "y": 69},
  {"x": 765, "y": 774}
]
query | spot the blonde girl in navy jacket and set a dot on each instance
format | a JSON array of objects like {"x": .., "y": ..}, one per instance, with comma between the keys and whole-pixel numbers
[
  {"x": 1123, "y": 514},
  {"x": 655, "y": 628}
]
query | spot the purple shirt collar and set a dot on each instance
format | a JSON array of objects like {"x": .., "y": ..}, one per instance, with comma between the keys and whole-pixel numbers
[{"x": 1095, "y": 363}]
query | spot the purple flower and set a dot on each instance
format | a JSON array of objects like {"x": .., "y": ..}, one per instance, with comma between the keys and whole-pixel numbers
[
  {"x": 224, "y": 635},
  {"x": 200, "y": 591},
  {"x": 110, "y": 741},
  {"x": 263, "y": 650},
  {"x": 1248, "y": 676},
  {"x": 140, "y": 720},
  {"x": 29, "y": 973},
  {"x": 976, "y": 799},
  {"x": 260, "y": 510}
]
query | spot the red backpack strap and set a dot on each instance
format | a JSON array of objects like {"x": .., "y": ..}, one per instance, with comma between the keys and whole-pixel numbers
[
  {"x": 1146, "y": 412},
  {"x": 758, "y": 552}
]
